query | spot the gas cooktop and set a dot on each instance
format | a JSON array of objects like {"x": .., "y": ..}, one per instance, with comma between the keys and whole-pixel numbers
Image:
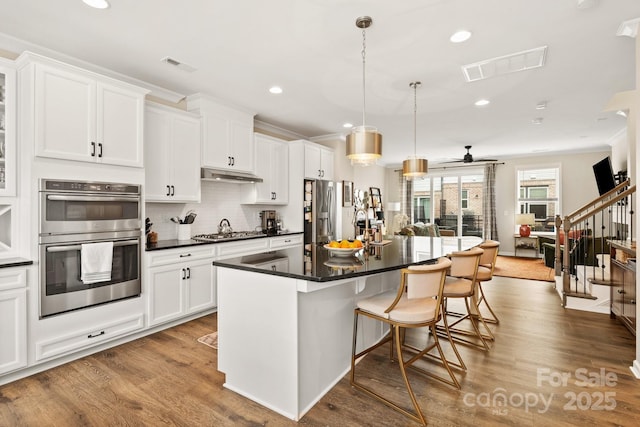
[{"x": 214, "y": 237}]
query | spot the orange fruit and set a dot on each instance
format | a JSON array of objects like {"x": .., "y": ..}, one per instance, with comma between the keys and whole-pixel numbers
[
  {"x": 357, "y": 244},
  {"x": 334, "y": 244},
  {"x": 345, "y": 244}
]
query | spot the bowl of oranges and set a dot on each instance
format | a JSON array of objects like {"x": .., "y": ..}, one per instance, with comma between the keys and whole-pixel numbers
[{"x": 343, "y": 248}]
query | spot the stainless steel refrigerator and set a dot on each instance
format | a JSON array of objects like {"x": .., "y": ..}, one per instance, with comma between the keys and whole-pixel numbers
[{"x": 320, "y": 208}]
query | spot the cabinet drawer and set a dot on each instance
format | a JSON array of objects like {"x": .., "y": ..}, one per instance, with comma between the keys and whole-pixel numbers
[
  {"x": 169, "y": 256},
  {"x": 285, "y": 241},
  {"x": 12, "y": 278},
  {"x": 88, "y": 337},
  {"x": 244, "y": 247}
]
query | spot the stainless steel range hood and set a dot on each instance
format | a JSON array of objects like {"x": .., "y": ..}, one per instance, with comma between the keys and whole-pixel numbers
[{"x": 218, "y": 175}]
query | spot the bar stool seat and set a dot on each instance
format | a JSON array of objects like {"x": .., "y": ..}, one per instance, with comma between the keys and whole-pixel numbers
[{"x": 417, "y": 303}]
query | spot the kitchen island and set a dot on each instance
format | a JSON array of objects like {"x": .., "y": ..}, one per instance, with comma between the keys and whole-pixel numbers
[{"x": 285, "y": 317}]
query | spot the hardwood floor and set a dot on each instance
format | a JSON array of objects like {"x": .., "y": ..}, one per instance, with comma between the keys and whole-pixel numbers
[{"x": 170, "y": 379}]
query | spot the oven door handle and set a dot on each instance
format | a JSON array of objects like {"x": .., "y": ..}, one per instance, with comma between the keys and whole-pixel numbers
[
  {"x": 66, "y": 248},
  {"x": 93, "y": 199}
]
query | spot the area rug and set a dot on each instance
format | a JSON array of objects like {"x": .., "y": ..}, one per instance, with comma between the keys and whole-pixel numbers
[
  {"x": 210, "y": 339},
  {"x": 523, "y": 268}
]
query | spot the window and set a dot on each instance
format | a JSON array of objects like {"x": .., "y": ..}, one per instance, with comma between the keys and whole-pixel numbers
[
  {"x": 454, "y": 202},
  {"x": 465, "y": 199},
  {"x": 538, "y": 194}
]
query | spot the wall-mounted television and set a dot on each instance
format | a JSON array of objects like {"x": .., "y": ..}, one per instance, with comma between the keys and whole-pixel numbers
[{"x": 604, "y": 175}]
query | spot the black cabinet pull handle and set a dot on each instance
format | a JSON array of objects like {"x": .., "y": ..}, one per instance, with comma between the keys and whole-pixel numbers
[
  {"x": 100, "y": 147},
  {"x": 173, "y": 190},
  {"x": 188, "y": 273},
  {"x": 95, "y": 335},
  {"x": 184, "y": 255},
  {"x": 184, "y": 274},
  {"x": 93, "y": 149},
  {"x": 229, "y": 161},
  {"x": 168, "y": 190}
]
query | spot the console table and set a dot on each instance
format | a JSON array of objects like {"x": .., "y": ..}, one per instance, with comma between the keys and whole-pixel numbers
[{"x": 529, "y": 243}]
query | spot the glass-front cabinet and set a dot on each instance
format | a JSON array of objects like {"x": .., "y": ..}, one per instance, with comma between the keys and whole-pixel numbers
[{"x": 7, "y": 128}]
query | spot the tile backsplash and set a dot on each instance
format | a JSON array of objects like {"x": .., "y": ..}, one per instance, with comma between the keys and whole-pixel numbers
[{"x": 218, "y": 200}]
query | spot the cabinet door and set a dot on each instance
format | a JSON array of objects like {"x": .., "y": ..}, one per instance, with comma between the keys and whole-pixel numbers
[
  {"x": 7, "y": 130},
  {"x": 200, "y": 289},
  {"x": 241, "y": 146},
  {"x": 13, "y": 330},
  {"x": 312, "y": 167},
  {"x": 156, "y": 155},
  {"x": 280, "y": 172},
  {"x": 65, "y": 111},
  {"x": 264, "y": 170},
  {"x": 185, "y": 159},
  {"x": 119, "y": 126},
  {"x": 215, "y": 152},
  {"x": 617, "y": 287},
  {"x": 326, "y": 163},
  {"x": 166, "y": 290},
  {"x": 629, "y": 307}
]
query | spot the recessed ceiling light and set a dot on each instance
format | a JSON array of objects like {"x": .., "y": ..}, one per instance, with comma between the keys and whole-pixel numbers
[
  {"x": 541, "y": 105},
  {"x": 460, "y": 36},
  {"x": 537, "y": 121},
  {"x": 347, "y": 125},
  {"x": 275, "y": 90},
  {"x": 621, "y": 113},
  {"x": 98, "y": 4},
  {"x": 482, "y": 102}
]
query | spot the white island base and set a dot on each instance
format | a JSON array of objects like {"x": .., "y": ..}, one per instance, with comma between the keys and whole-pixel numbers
[{"x": 285, "y": 342}]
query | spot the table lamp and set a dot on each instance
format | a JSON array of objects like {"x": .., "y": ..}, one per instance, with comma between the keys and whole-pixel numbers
[{"x": 525, "y": 221}]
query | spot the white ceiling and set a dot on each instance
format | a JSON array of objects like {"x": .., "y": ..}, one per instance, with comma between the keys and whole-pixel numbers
[{"x": 312, "y": 49}]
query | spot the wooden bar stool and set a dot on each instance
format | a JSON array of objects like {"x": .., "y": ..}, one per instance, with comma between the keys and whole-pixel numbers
[
  {"x": 461, "y": 283},
  {"x": 485, "y": 273},
  {"x": 416, "y": 304}
]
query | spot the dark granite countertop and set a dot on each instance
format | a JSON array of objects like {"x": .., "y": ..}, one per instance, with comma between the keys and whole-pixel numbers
[
  {"x": 174, "y": 243},
  {"x": 14, "y": 262},
  {"x": 315, "y": 263}
]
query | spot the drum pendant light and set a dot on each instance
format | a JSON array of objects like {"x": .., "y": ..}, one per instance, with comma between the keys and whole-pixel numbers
[
  {"x": 364, "y": 143},
  {"x": 414, "y": 167}
]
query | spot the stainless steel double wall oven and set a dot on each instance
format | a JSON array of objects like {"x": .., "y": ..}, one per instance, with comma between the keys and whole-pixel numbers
[{"x": 75, "y": 213}]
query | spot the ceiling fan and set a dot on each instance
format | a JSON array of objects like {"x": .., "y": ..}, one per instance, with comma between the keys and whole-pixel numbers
[{"x": 468, "y": 158}]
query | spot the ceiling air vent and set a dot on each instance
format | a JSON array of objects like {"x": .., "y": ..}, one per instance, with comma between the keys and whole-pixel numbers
[
  {"x": 520, "y": 61},
  {"x": 178, "y": 64}
]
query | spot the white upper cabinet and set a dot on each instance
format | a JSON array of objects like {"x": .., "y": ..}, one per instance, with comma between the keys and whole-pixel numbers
[
  {"x": 227, "y": 135},
  {"x": 172, "y": 155},
  {"x": 7, "y": 129},
  {"x": 272, "y": 166},
  {"x": 83, "y": 116},
  {"x": 318, "y": 161}
]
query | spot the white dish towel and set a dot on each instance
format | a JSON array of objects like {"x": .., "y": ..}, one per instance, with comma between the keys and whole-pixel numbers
[{"x": 95, "y": 262}]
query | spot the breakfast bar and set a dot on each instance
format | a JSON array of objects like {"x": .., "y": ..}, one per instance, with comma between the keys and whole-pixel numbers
[{"x": 285, "y": 317}]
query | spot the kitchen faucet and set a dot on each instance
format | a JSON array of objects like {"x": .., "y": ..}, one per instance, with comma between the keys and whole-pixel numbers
[
  {"x": 225, "y": 227},
  {"x": 365, "y": 233}
]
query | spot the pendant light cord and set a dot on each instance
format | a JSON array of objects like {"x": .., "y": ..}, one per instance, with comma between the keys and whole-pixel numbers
[
  {"x": 415, "y": 119},
  {"x": 364, "y": 47}
]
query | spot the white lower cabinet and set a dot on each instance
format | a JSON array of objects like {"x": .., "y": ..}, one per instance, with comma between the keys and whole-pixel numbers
[
  {"x": 88, "y": 336},
  {"x": 13, "y": 319},
  {"x": 180, "y": 283},
  {"x": 67, "y": 333}
]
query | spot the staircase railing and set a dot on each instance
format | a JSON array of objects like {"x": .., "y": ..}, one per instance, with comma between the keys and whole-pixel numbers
[{"x": 583, "y": 236}]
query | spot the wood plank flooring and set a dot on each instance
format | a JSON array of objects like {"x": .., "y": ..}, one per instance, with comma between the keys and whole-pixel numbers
[{"x": 168, "y": 378}]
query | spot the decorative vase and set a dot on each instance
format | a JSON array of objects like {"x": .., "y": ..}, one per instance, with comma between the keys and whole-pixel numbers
[{"x": 525, "y": 230}]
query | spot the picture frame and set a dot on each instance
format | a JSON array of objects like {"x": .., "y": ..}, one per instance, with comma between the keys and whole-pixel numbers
[
  {"x": 376, "y": 198},
  {"x": 347, "y": 194}
]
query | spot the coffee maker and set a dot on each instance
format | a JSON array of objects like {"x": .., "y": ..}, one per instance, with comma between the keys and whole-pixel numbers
[{"x": 269, "y": 222}]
